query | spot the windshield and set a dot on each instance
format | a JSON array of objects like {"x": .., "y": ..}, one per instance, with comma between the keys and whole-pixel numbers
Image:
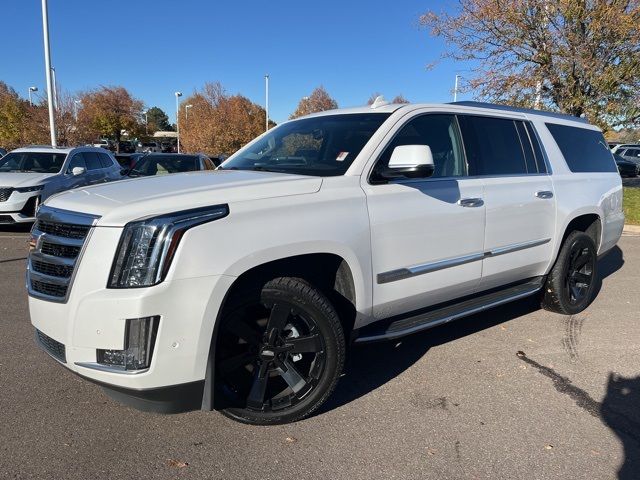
[
  {"x": 40, "y": 162},
  {"x": 164, "y": 164},
  {"x": 323, "y": 146}
]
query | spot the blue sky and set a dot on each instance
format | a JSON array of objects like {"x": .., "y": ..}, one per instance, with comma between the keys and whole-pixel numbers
[{"x": 155, "y": 47}]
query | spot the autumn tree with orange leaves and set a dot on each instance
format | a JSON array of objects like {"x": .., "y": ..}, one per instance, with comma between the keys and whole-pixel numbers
[
  {"x": 318, "y": 101},
  {"x": 579, "y": 57},
  {"x": 218, "y": 123}
]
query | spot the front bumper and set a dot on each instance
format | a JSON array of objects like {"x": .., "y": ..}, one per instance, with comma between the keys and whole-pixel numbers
[
  {"x": 19, "y": 207},
  {"x": 96, "y": 320}
]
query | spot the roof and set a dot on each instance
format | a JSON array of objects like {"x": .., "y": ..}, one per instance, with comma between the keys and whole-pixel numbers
[
  {"x": 390, "y": 108},
  {"x": 65, "y": 150}
]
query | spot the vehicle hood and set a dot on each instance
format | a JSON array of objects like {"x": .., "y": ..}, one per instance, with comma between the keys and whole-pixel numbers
[
  {"x": 123, "y": 201},
  {"x": 22, "y": 179}
]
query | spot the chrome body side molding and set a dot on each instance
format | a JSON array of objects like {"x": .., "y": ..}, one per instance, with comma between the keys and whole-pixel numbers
[{"x": 407, "y": 272}]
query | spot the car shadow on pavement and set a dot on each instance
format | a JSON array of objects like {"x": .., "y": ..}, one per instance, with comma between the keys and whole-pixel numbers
[
  {"x": 620, "y": 411},
  {"x": 372, "y": 365}
]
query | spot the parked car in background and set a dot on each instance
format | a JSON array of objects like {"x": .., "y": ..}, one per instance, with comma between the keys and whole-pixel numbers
[
  {"x": 240, "y": 289},
  {"x": 620, "y": 146},
  {"x": 626, "y": 168},
  {"x": 128, "y": 160},
  {"x": 104, "y": 143},
  {"x": 149, "y": 147},
  {"x": 30, "y": 175},
  {"x": 166, "y": 163},
  {"x": 632, "y": 154},
  {"x": 3, "y": 152},
  {"x": 127, "y": 146}
]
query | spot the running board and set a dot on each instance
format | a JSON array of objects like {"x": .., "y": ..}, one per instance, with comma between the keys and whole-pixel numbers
[{"x": 405, "y": 325}]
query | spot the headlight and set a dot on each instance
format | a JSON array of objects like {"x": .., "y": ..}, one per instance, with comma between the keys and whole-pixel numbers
[
  {"x": 147, "y": 246},
  {"x": 35, "y": 188}
]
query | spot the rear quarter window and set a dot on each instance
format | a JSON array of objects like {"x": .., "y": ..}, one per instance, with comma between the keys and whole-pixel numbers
[{"x": 584, "y": 150}]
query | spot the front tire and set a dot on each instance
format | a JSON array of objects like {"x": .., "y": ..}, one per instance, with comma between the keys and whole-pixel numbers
[
  {"x": 279, "y": 353},
  {"x": 570, "y": 286}
]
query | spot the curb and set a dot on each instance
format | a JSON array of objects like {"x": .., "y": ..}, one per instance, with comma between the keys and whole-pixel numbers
[{"x": 631, "y": 230}]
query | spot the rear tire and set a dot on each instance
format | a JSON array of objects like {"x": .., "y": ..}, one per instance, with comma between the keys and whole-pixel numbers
[
  {"x": 570, "y": 286},
  {"x": 279, "y": 353}
]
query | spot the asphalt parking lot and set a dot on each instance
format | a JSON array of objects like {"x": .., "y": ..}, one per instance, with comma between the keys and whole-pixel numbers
[{"x": 514, "y": 393}]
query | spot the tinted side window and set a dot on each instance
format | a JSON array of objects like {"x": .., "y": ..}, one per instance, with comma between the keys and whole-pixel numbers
[
  {"x": 492, "y": 146},
  {"x": 632, "y": 152},
  {"x": 584, "y": 150},
  {"x": 105, "y": 160},
  {"x": 76, "y": 161},
  {"x": 441, "y": 133},
  {"x": 92, "y": 160}
]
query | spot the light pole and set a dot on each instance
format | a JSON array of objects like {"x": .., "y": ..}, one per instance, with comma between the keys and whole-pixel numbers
[
  {"x": 32, "y": 89},
  {"x": 146, "y": 122},
  {"x": 55, "y": 87},
  {"x": 455, "y": 89},
  {"x": 178, "y": 95},
  {"x": 266, "y": 102},
  {"x": 186, "y": 112},
  {"x": 47, "y": 63},
  {"x": 75, "y": 109}
]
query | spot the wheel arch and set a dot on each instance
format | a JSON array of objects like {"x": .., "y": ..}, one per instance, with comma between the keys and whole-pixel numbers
[{"x": 331, "y": 272}]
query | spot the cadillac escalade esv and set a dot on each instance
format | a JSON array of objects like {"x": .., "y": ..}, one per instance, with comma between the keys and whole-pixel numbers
[{"x": 240, "y": 289}]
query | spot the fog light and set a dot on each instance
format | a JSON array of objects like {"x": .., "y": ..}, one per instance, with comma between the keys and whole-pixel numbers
[{"x": 139, "y": 339}]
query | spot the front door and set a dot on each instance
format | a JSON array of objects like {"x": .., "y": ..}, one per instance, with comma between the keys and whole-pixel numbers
[{"x": 427, "y": 235}]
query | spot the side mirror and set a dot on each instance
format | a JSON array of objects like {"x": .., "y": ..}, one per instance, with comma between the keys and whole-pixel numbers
[
  {"x": 78, "y": 171},
  {"x": 411, "y": 161}
]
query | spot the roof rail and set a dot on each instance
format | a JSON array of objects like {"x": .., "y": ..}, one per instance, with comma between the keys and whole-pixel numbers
[{"x": 532, "y": 111}]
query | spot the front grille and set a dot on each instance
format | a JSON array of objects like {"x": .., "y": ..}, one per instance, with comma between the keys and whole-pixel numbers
[
  {"x": 63, "y": 230},
  {"x": 5, "y": 193},
  {"x": 52, "y": 269},
  {"x": 6, "y": 219},
  {"x": 63, "y": 251},
  {"x": 56, "y": 244},
  {"x": 50, "y": 289},
  {"x": 52, "y": 347}
]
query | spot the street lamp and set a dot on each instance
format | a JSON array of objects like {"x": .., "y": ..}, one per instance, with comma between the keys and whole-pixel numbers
[
  {"x": 32, "y": 89},
  {"x": 178, "y": 95},
  {"x": 266, "y": 102},
  {"x": 75, "y": 109},
  {"x": 47, "y": 63},
  {"x": 455, "y": 89},
  {"x": 186, "y": 112}
]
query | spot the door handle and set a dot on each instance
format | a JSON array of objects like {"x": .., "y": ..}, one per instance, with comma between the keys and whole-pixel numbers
[
  {"x": 470, "y": 202},
  {"x": 544, "y": 194}
]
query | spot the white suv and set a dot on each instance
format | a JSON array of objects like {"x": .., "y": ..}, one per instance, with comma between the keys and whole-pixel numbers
[
  {"x": 30, "y": 175},
  {"x": 240, "y": 289}
]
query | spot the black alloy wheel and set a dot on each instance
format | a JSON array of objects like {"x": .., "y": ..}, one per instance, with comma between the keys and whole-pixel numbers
[
  {"x": 278, "y": 357},
  {"x": 570, "y": 285}
]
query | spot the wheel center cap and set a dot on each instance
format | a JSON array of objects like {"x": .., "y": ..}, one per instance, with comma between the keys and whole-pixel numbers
[{"x": 266, "y": 353}]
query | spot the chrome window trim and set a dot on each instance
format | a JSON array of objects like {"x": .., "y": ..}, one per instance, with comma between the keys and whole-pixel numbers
[{"x": 415, "y": 270}]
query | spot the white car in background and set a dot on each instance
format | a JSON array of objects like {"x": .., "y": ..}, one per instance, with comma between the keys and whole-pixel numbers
[{"x": 30, "y": 175}]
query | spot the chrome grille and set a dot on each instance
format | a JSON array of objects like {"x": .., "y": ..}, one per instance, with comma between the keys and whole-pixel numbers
[
  {"x": 56, "y": 244},
  {"x": 5, "y": 193}
]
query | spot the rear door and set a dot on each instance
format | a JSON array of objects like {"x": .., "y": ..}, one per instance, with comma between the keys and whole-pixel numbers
[{"x": 518, "y": 194}]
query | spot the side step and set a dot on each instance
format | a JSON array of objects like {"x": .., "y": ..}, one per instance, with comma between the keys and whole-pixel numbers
[{"x": 397, "y": 327}]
